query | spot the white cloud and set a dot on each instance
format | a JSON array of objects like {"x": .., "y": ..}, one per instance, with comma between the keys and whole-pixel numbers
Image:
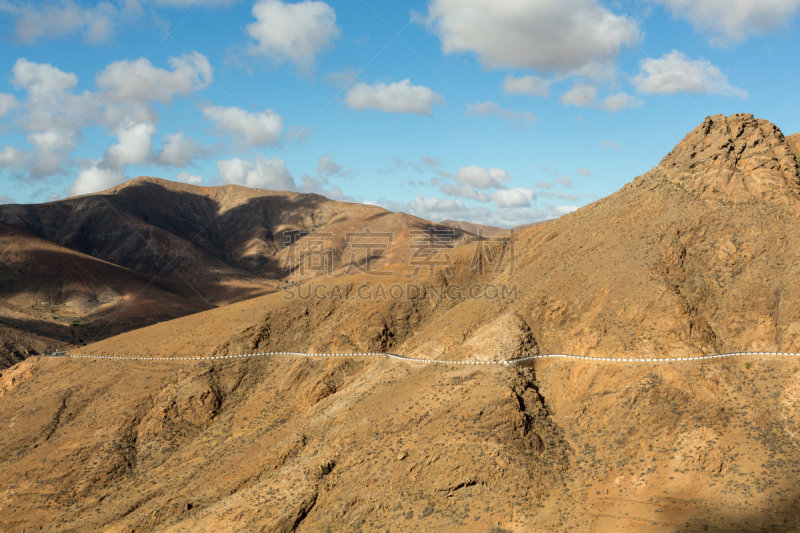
[
  {"x": 565, "y": 181},
  {"x": 397, "y": 97},
  {"x": 253, "y": 129},
  {"x": 514, "y": 197},
  {"x": 7, "y": 103},
  {"x": 546, "y": 35},
  {"x": 614, "y": 145},
  {"x": 326, "y": 166},
  {"x": 734, "y": 20},
  {"x": 483, "y": 109},
  {"x": 49, "y": 21},
  {"x": 6, "y": 200},
  {"x": 295, "y": 32},
  {"x": 140, "y": 81},
  {"x": 619, "y": 101},
  {"x": 584, "y": 171},
  {"x": 11, "y": 157},
  {"x": 581, "y": 95},
  {"x": 55, "y": 115},
  {"x": 674, "y": 72},
  {"x": 482, "y": 178},
  {"x": 135, "y": 143},
  {"x": 270, "y": 174},
  {"x": 41, "y": 80},
  {"x": 530, "y": 85},
  {"x": 178, "y": 150},
  {"x": 95, "y": 178},
  {"x": 464, "y": 190},
  {"x": 433, "y": 208},
  {"x": 185, "y": 177}
]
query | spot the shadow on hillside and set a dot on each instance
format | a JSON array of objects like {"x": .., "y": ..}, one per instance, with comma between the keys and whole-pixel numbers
[{"x": 216, "y": 254}]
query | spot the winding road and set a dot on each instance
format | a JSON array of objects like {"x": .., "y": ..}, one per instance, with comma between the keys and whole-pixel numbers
[{"x": 429, "y": 361}]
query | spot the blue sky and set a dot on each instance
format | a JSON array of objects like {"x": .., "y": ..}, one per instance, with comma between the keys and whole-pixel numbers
[{"x": 501, "y": 113}]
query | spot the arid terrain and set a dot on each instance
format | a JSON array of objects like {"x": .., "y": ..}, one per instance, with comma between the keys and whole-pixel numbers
[
  {"x": 152, "y": 250},
  {"x": 697, "y": 256}
]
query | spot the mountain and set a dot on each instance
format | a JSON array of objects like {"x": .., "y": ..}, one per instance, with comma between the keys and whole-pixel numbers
[
  {"x": 696, "y": 256},
  {"x": 794, "y": 144},
  {"x": 191, "y": 247},
  {"x": 488, "y": 231}
]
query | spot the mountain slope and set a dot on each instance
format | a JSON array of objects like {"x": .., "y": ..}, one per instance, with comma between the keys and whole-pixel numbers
[
  {"x": 195, "y": 247},
  {"x": 687, "y": 259},
  {"x": 221, "y": 243}
]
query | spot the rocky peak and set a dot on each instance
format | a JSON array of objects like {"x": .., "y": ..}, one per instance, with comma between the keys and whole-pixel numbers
[
  {"x": 794, "y": 144},
  {"x": 735, "y": 158}
]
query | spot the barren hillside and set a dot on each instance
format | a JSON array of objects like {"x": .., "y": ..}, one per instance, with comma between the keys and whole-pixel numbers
[
  {"x": 696, "y": 256},
  {"x": 150, "y": 250}
]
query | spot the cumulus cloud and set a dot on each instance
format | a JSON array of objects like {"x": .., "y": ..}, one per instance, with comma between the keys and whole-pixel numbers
[
  {"x": 177, "y": 150},
  {"x": 270, "y": 174},
  {"x": 546, "y": 35},
  {"x": 253, "y": 129},
  {"x": 514, "y": 197},
  {"x": 140, "y": 81},
  {"x": 326, "y": 166},
  {"x": 489, "y": 108},
  {"x": 619, "y": 101},
  {"x": 94, "y": 178},
  {"x": 734, "y": 20},
  {"x": 11, "y": 157},
  {"x": 41, "y": 80},
  {"x": 294, "y": 32},
  {"x": 581, "y": 95},
  {"x": 614, "y": 145},
  {"x": 56, "y": 115},
  {"x": 397, "y": 97},
  {"x": 185, "y": 177},
  {"x": 530, "y": 85},
  {"x": 584, "y": 172},
  {"x": 135, "y": 143},
  {"x": 464, "y": 190},
  {"x": 674, "y": 73},
  {"x": 482, "y": 178},
  {"x": 7, "y": 103},
  {"x": 48, "y": 21}
]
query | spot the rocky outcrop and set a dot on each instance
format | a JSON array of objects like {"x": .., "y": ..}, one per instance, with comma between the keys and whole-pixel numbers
[{"x": 735, "y": 158}]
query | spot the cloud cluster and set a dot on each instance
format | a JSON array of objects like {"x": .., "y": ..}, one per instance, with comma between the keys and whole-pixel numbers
[
  {"x": 251, "y": 129},
  {"x": 484, "y": 185},
  {"x": 674, "y": 73},
  {"x": 140, "y": 81},
  {"x": 436, "y": 209},
  {"x": 270, "y": 174},
  {"x": 730, "y": 21},
  {"x": 55, "y": 115},
  {"x": 95, "y": 24},
  {"x": 530, "y": 85},
  {"x": 296, "y": 32},
  {"x": 547, "y": 35},
  {"x": 585, "y": 95},
  {"x": 397, "y": 97}
]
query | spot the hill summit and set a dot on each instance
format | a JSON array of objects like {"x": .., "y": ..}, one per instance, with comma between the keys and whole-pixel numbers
[{"x": 734, "y": 158}]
